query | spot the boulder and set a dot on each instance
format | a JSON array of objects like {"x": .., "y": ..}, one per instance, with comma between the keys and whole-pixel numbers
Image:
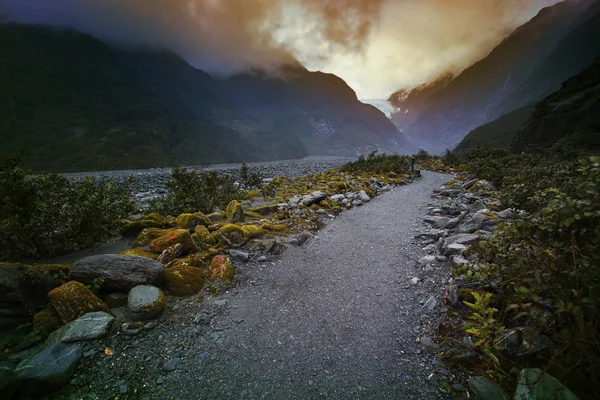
[
  {"x": 364, "y": 196},
  {"x": 235, "y": 212},
  {"x": 233, "y": 234},
  {"x": 48, "y": 370},
  {"x": 509, "y": 213},
  {"x": 120, "y": 272},
  {"x": 190, "y": 221},
  {"x": 534, "y": 384},
  {"x": 93, "y": 325},
  {"x": 147, "y": 235},
  {"x": 437, "y": 222},
  {"x": 485, "y": 389},
  {"x": 313, "y": 198},
  {"x": 47, "y": 320},
  {"x": 337, "y": 197},
  {"x": 454, "y": 248},
  {"x": 175, "y": 236},
  {"x": 465, "y": 239},
  {"x": 133, "y": 228},
  {"x": 239, "y": 255},
  {"x": 221, "y": 268},
  {"x": 73, "y": 300},
  {"x": 146, "y": 302},
  {"x": 482, "y": 186},
  {"x": 473, "y": 223},
  {"x": 139, "y": 253},
  {"x": 184, "y": 280}
]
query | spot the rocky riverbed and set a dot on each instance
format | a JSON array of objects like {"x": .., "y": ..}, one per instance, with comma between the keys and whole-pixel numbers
[{"x": 151, "y": 183}]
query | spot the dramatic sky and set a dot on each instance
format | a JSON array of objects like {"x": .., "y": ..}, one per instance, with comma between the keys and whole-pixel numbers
[{"x": 377, "y": 46}]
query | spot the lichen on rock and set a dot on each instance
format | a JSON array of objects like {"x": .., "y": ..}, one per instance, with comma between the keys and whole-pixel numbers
[
  {"x": 184, "y": 280},
  {"x": 73, "y": 299},
  {"x": 173, "y": 237}
]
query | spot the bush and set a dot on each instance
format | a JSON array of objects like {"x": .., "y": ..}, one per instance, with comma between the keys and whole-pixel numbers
[
  {"x": 379, "y": 163},
  {"x": 46, "y": 215},
  {"x": 190, "y": 191},
  {"x": 248, "y": 179},
  {"x": 547, "y": 263}
]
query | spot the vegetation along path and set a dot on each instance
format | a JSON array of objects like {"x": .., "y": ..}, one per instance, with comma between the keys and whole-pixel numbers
[{"x": 335, "y": 318}]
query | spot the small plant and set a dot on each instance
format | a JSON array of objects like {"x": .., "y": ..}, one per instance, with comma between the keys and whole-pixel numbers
[
  {"x": 190, "y": 191},
  {"x": 248, "y": 179},
  {"x": 484, "y": 328}
]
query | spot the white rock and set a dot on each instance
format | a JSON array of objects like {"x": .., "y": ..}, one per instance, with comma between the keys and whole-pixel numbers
[{"x": 364, "y": 196}]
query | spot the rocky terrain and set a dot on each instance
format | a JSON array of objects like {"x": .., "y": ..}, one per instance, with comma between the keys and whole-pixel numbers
[{"x": 150, "y": 183}]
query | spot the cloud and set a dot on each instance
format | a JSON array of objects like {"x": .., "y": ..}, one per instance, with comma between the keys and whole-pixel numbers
[{"x": 376, "y": 45}]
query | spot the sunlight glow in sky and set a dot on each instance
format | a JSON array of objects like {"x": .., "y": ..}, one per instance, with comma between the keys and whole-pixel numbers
[{"x": 376, "y": 46}]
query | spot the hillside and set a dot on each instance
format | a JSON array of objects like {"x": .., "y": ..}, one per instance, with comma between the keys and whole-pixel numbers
[
  {"x": 571, "y": 114},
  {"x": 501, "y": 132},
  {"x": 529, "y": 64},
  {"x": 77, "y": 103}
]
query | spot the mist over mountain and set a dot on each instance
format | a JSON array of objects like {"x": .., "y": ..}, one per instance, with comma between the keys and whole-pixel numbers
[
  {"x": 529, "y": 64},
  {"x": 77, "y": 103}
]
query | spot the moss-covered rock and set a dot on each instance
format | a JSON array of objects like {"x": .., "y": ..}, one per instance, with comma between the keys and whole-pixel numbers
[
  {"x": 156, "y": 217},
  {"x": 133, "y": 228},
  {"x": 251, "y": 215},
  {"x": 265, "y": 210},
  {"x": 190, "y": 221},
  {"x": 197, "y": 260},
  {"x": 47, "y": 320},
  {"x": 147, "y": 235},
  {"x": 235, "y": 212},
  {"x": 145, "y": 302},
  {"x": 252, "y": 231},
  {"x": 73, "y": 299},
  {"x": 217, "y": 216},
  {"x": 184, "y": 280},
  {"x": 140, "y": 253},
  {"x": 173, "y": 237},
  {"x": 221, "y": 268},
  {"x": 233, "y": 234}
]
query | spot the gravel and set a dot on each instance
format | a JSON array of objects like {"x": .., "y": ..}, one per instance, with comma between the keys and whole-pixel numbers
[
  {"x": 151, "y": 183},
  {"x": 335, "y": 318}
]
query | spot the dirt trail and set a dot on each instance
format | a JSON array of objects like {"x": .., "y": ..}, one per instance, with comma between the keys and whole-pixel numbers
[{"x": 335, "y": 318}]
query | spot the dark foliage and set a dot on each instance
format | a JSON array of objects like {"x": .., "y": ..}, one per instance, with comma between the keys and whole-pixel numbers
[
  {"x": 47, "y": 215},
  {"x": 190, "y": 191}
]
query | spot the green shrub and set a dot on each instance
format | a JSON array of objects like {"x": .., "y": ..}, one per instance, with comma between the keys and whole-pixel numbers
[
  {"x": 47, "y": 215},
  {"x": 381, "y": 163},
  {"x": 550, "y": 257},
  {"x": 190, "y": 191},
  {"x": 249, "y": 180}
]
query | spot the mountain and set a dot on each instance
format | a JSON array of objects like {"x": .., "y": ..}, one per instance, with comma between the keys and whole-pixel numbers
[
  {"x": 501, "y": 132},
  {"x": 529, "y": 64},
  {"x": 78, "y": 103},
  {"x": 571, "y": 114}
]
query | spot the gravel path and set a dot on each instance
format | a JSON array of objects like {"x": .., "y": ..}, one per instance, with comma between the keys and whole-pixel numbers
[{"x": 336, "y": 318}]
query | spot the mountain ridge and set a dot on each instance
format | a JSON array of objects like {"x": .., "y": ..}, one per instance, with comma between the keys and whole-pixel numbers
[
  {"x": 476, "y": 96},
  {"x": 80, "y": 104}
]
